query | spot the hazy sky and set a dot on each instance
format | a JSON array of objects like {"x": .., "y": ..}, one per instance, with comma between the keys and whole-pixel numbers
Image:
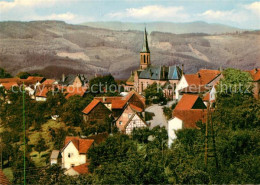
[{"x": 239, "y": 13}]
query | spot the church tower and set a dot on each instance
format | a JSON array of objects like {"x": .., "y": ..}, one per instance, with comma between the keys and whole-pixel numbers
[{"x": 145, "y": 53}]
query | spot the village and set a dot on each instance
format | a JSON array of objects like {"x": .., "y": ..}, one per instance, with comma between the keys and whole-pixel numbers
[{"x": 153, "y": 96}]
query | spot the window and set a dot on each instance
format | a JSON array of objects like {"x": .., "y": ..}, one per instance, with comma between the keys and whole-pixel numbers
[
  {"x": 70, "y": 155},
  {"x": 144, "y": 59},
  {"x": 129, "y": 115},
  {"x": 72, "y": 165},
  {"x": 120, "y": 122}
]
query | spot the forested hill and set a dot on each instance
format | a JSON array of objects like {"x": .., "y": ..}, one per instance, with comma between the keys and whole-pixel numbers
[{"x": 53, "y": 47}]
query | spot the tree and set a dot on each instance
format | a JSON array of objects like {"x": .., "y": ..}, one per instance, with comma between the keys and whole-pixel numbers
[
  {"x": 72, "y": 109},
  {"x": 23, "y": 75},
  {"x": 154, "y": 94},
  {"x": 41, "y": 145},
  {"x": 4, "y": 74},
  {"x": 105, "y": 84}
]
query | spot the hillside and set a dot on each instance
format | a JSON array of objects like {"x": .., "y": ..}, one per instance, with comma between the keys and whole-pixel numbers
[
  {"x": 169, "y": 27},
  {"x": 53, "y": 47}
]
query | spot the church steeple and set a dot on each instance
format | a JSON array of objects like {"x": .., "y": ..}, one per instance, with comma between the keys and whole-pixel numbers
[
  {"x": 145, "y": 53},
  {"x": 145, "y": 48}
]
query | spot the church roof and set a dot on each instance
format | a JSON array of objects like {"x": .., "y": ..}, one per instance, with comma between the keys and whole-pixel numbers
[
  {"x": 175, "y": 73},
  {"x": 145, "y": 48},
  {"x": 161, "y": 73}
]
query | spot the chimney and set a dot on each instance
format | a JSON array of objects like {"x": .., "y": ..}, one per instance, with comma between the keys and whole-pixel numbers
[
  {"x": 199, "y": 75},
  {"x": 63, "y": 77},
  {"x": 182, "y": 69}
]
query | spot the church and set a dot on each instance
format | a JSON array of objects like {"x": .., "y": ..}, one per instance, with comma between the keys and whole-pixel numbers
[{"x": 147, "y": 74}]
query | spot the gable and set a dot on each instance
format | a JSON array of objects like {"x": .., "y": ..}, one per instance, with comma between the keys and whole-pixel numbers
[{"x": 199, "y": 104}]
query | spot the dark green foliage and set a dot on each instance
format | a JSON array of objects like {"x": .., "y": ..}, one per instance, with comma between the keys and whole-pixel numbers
[
  {"x": 154, "y": 94},
  {"x": 41, "y": 145},
  {"x": 72, "y": 110},
  {"x": 4, "y": 74},
  {"x": 105, "y": 84}
]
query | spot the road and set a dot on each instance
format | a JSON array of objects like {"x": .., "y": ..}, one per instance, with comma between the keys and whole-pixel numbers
[{"x": 159, "y": 118}]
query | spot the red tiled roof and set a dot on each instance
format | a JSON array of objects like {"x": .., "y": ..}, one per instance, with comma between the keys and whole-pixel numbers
[
  {"x": 137, "y": 109},
  {"x": 190, "y": 117},
  {"x": 8, "y": 80},
  {"x": 206, "y": 97},
  {"x": 187, "y": 101},
  {"x": 81, "y": 144},
  {"x": 80, "y": 91},
  {"x": 3, "y": 178},
  {"x": 209, "y": 71},
  {"x": 202, "y": 77},
  {"x": 118, "y": 104},
  {"x": 131, "y": 93},
  {"x": 34, "y": 79},
  {"x": 106, "y": 99},
  {"x": 81, "y": 169},
  {"x": 42, "y": 91},
  {"x": 91, "y": 106},
  {"x": 255, "y": 73},
  {"x": 9, "y": 85},
  {"x": 48, "y": 81}
]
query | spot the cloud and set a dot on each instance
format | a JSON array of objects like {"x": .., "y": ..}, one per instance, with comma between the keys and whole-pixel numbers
[
  {"x": 152, "y": 13},
  {"x": 8, "y": 5},
  {"x": 254, "y": 7},
  {"x": 64, "y": 17}
]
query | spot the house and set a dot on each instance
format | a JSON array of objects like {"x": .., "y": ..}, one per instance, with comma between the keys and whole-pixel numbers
[
  {"x": 41, "y": 93},
  {"x": 198, "y": 83},
  {"x": 130, "y": 118},
  {"x": 184, "y": 119},
  {"x": 117, "y": 107},
  {"x": 148, "y": 74},
  {"x": 74, "y": 152},
  {"x": 117, "y": 104},
  {"x": 3, "y": 179},
  {"x": 55, "y": 157},
  {"x": 79, "y": 80},
  {"x": 96, "y": 111},
  {"x": 210, "y": 97},
  {"x": 189, "y": 110},
  {"x": 78, "y": 170}
]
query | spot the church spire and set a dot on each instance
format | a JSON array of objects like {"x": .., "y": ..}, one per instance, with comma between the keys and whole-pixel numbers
[
  {"x": 145, "y": 53},
  {"x": 145, "y": 48}
]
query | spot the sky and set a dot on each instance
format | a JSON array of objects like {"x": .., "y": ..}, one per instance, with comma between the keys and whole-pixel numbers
[{"x": 238, "y": 13}]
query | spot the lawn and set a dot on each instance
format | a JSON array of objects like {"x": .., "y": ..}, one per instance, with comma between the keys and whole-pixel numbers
[{"x": 40, "y": 159}]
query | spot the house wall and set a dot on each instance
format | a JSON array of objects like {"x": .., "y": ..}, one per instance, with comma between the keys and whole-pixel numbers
[
  {"x": 98, "y": 114},
  {"x": 75, "y": 158},
  {"x": 174, "y": 124},
  {"x": 38, "y": 98},
  {"x": 182, "y": 84},
  {"x": 136, "y": 101},
  {"x": 125, "y": 116},
  {"x": 54, "y": 161},
  {"x": 136, "y": 122}
]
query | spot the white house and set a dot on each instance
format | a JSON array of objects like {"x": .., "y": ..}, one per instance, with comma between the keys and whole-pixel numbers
[
  {"x": 75, "y": 151},
  {"x": 174, "y": 124},
  {"x": 189, "y": 110}
]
